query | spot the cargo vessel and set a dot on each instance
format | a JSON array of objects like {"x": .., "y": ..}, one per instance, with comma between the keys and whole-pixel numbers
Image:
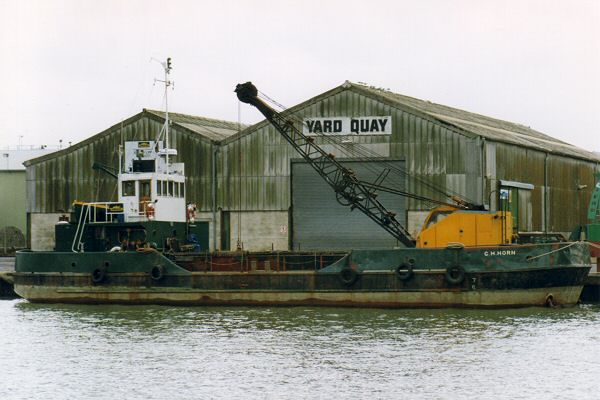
[{"x": 147, "y": 248}]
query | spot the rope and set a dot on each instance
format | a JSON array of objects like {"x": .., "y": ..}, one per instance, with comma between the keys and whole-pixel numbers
[
  {"x": 593, "y": 245},
  {"x": 146, "y": 250},
  {"x": 225, "y": 264},
  {"x": 553, "y": 251}
]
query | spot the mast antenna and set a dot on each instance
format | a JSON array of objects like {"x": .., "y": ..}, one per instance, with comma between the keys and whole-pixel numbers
[{"x": 167, "y": 82}]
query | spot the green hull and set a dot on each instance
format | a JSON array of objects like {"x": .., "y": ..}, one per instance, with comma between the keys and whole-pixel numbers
[{"x": 510, "y": 276}]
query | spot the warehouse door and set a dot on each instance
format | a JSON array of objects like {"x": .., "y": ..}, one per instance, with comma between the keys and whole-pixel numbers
[
  {"x": 516, "y": 198},
  {"x": 319, "y": 222}
]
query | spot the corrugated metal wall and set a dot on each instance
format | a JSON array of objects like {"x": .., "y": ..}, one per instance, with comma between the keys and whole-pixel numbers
[
  {"x": 568, "y": 203},
  {"x": 433, "y": 153},
  {"x": 54, "y": 183},
  {"x": 566, "y": 196},
  {"x": 253, "y": 172}
]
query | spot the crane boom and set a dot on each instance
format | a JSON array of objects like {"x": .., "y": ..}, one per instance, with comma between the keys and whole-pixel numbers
[{"x": 349, "y": 190}]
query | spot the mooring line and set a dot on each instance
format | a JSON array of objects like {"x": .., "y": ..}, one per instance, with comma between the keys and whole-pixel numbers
[{"x": 554, "y": 251}]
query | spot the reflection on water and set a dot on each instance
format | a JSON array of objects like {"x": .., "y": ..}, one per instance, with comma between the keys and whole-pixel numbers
[{"x": 76, "y": 351}]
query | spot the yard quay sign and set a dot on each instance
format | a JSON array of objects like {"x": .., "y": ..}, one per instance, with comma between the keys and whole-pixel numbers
[{"x": 347, "y": 126}]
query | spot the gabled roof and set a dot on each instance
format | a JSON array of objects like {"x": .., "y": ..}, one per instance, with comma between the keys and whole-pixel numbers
[
  {"x": 480, "y": 125},
  {"x": 463, "y": 122},
  {"x": 211, "y": 129}
]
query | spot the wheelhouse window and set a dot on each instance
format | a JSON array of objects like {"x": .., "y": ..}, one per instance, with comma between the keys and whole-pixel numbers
[
  {"x": 170, "y": 193},
  {"x": 158, "y": 188},
  {"x": 164, "y": 188},
  {"x": 176, "y": 193},
  {"x": 182, "y": 190},
  {"x": 145, "y": 189},
  {"x": 128, "y": 188}
]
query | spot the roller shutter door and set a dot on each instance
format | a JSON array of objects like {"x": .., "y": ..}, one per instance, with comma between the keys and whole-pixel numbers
[{"x": 319, "y": 222}]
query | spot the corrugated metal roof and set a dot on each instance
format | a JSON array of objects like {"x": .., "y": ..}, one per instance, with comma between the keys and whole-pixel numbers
[
  {"x": 480, "y": 125},
  {"x": 463, "y": 122},
  {"x": 213, "y": 129},
  {"x": 208, "y": 128}
]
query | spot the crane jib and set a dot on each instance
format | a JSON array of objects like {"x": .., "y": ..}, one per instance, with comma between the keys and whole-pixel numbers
[{"x": 349, "y": 190}]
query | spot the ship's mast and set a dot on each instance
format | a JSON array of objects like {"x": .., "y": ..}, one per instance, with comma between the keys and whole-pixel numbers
[{"x": 167, "y": 67}]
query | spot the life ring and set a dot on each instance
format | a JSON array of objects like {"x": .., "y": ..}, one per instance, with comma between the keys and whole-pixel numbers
[
  {"x": 98, "y": 275},
  {"x": 157, "y": 272},
  {"x": 404, "y": 271},
  {"x": 455, "y": 274},
  {"x": 190, "y": 213},
  {"x": 349, "y": 276}
]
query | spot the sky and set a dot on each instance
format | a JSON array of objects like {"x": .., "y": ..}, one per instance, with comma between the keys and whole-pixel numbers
[{"x": 71, "y": 69}]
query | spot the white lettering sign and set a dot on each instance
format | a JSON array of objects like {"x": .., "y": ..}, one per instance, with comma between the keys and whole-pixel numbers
[
  {"x": 347, "y": 126},
  {"x": 495, "y": 253}
]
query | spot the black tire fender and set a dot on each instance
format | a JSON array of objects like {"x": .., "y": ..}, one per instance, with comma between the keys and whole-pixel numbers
[
  {"x": 349, "y": 276},
  {"x": 455, "y": 274},
  {"x": 157, "y": 273},
  {"x": 98, "y": 275},
  {"x": 404, "y": 271}
]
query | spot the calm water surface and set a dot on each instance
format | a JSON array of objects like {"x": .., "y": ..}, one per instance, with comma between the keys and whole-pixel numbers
[{"x": 123, "y": 352}]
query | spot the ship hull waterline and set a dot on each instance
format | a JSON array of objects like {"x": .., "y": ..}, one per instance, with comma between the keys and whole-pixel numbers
[
  {"x": 519, "y": 277},
  {"x": 563, "y": 296}
]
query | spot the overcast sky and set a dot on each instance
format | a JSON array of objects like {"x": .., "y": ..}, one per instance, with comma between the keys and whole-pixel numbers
[{"x": 71, "y": 69}]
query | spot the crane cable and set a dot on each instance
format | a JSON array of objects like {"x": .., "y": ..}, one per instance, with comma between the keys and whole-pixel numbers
[
  {"x": 363, "y": 152},
  {"x": 359, "y": 150}
]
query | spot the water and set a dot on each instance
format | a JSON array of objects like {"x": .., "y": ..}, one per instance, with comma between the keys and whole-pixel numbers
[{"x": 126, "y": 352}]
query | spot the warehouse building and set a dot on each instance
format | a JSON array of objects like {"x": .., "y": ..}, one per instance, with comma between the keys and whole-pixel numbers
[
  {"x": 255, "y": 192},
  {"x": 56, "y": 180}
]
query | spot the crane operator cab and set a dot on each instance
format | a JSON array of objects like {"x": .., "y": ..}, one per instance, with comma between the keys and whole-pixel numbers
[{"x": 446, "y": 225}]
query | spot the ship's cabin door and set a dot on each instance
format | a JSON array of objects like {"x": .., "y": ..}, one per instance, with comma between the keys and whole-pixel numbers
[{"x": 145, "y": 196}]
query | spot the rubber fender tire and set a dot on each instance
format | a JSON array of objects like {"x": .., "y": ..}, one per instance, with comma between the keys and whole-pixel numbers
[
  {"x": 404, "y": 271},
  {"x": 98, "y": 275},
  {"x": 157, "y": 273},
  {"x": 349, "y": 276},
  {"x": 455, "y": 274}
]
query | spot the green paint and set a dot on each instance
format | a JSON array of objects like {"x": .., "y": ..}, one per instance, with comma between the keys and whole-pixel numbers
[
  {"x": 594, "y": 208},
  {"x": 12, "y": 200}
]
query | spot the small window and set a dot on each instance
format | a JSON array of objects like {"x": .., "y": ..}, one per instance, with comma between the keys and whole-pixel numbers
[
  {"x": 128, "y": 188},
  {"x": 176, "y": 193},
  {"x": 164, "y": 185},
  {"x": 170, "y": 193},
  {"x": 145, "y": 189},
  {"x": 158, "y": 188},
  {"x": 437, "y": 217},
  {"x": 182, "y": 190}
]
